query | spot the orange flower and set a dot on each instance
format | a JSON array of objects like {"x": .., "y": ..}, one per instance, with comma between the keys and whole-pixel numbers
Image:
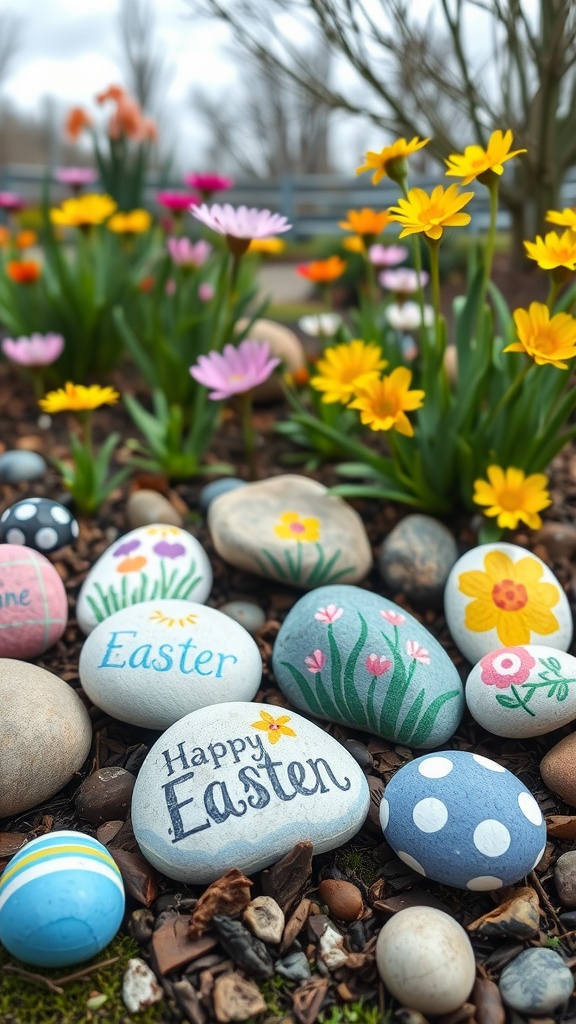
[
  {"x": 113, "y": 92},
  {"x": 76, "y": 121},
  {"x": 365, "y": 221},
  {"x": 131, "y": 564},
  {"x": 126, "y": 120},
  {"x": 23, "y": 271},
  {"x": 26, "y": 239},
  {"x": 148, "y": 130},
  {"x": 4, "y": 236},
  {"x": 322, "y": 271}
]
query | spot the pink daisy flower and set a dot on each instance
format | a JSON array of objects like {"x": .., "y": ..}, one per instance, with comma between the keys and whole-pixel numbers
[
  {"x": 377, "y": 665},
  {"x": 404, "y": 280},
  {"x": 420, "y": 654},
  {"x": 329, "y": 614},
  {"x": 75, "y": 177},
  {"x": 394, "y": 618},
  {"x": 240, "y": 224},
  {"x": 235, "y": 370},
  {"x": 10, "y": 202},
  {"x": 37, "y": 350},
  {"x": 208, "y": 184},
  {"x": 315, "y": 662},
  {"x": 387, "y": 255},
  {"x": 176, "y": 202},
  {"x": 185, "y": 253}
]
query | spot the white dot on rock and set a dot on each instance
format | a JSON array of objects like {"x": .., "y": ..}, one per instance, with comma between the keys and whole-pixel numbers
[
  {"x": 492, "y": 766},
  {"x": 4, "y": 515},
  {"x": 430, "y": 814},
  {"x": 411, "y": 862},
  {"x": 384, "y": 812},
  {"x": 15, "y": 536},
  {"x": 530, "y": 808},
  {"x": 539, "y": 857},
  {"x": 74, "y": 528},
  {"x": 435, "y": 767},
  {"x": 47, "y": 537},
  {"x": 60, "y": 515},
  {"x": 26, "y": 511},
  {"x": 484, "y": 882},
  {"x": 491, "y": 838}
]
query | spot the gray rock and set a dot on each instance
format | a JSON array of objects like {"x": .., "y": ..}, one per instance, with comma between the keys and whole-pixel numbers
[
  {"x": 246, "y": 613},
  {"x": 213, "y": 490},
  {"x": 536, "y": 982},
  {"x": 146, "y": 507},
  {"x": 416, "y": 557},
  {"x": 21, "y": 467},
  {"x": 295, "y": 966},
  {"x": 565, "y": 878}
]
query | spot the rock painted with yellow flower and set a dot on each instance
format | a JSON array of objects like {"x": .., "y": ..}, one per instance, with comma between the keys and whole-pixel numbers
[
  {"x": 237, "y": 785},
  {"x": 350, "y": 656},
  {"x": 501, "y": 595},
  {"x": 155, "y": 662},
  {"x": 148, "y": 564},
  {"x": 289, "y": 528}
]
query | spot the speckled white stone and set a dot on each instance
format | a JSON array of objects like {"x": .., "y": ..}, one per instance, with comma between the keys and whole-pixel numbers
[
  {"x": 501, "y": 595},
  {"x": 155, "y": 662}
]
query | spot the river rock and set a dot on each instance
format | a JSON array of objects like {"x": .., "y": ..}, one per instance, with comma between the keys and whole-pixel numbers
[
  {"x": 523, "y": 691},
  {"x": 246, "y": 613},
  {"x": 33, "y": 603},
  {"x": 150, "y": 563},
  {"x": 238, "y": 785},
  {"x": 45, "y": 735},
  {"x": 156, "y": 662},
  {"x": 39, "y": 523},
  {"x": 565, "y": 878},
  {"x": 463, "y": 820},
  {"x": 105, "y": 795},
  {"x": 284, "y": 345},
  {"x": 558, "y": 769},
  {"x": 145, "y": 507},
  {"x": 288, "y": 528},
  {"x": 21, "y": 467},
  {"x": 416, "y": 558},
  {"x": 501, "y": 595},
  {"x": 426, "y": 960},
  {"x": 536, "y": 982},
  {"x": 350, "y": 656},
  {"x": 215, "y": 488}
]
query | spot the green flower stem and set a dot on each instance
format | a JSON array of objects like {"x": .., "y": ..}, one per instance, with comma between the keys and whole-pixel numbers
[
  {"x": 248, "y": 434},
  {"x": 417, "y": 256},
  {"x": 85, "y": 419},
  {"x": 555, "y": 286},
  {"x": 491, "y": 239},
  {"x": 38, "y": 383},
  {"x": 508, "y": 395},
  {"x": 435, "y": 286}
]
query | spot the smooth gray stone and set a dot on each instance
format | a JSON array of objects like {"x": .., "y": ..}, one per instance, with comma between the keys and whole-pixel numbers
[
  {"x": 537, "y": 981},
  {"x": 21, "y": 466},
  {"x": 565, "y": 878},
  {"x": 216, "y": 488},
  {"x": 247, "y": 614},
  {"x": 295, "y": 966},
  {"x": 416, "y": 558}
]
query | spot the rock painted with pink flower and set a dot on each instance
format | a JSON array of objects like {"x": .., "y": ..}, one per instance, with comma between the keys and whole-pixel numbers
[
  {"x": 523, "y": 691},
  {"x": 347, "y": 655},
  {"x": 150, "y": 563}
]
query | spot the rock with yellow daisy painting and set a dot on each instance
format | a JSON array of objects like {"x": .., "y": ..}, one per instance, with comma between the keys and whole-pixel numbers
[
  {"x": 289, "y": 528},
  {"x": 147, "y": 564},
  {"x": 501, "y": 595},
  {"x": 237, "y": 785}
]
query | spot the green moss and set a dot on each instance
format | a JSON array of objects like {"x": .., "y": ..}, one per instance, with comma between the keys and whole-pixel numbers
[
  {"x": 25, "y": 1002},
  {"x": 354, "y": 1013},
  {"x": 356, "y": 862}
]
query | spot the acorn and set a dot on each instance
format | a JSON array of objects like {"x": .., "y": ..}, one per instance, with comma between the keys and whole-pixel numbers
[{"x": 343, "y": 899}]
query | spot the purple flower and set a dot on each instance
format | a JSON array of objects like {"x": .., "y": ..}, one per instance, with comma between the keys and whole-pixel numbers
[
  {"x": 387, "y": 255},
  {"x": 37, "y": 350},
  {"x": 185, "y": 253},
  {"x": 241, "y": 222},
  {"x": 76, "y": 177},
  {"x": 126, "y": 548},
  {"x": 235, "y": 370},
  {"x": 166, "y": 550},
  {"x": 10, "y": 202}
]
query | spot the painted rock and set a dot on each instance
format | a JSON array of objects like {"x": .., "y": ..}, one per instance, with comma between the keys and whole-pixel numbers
[
  {"x": 33, "y": 603},
  {"x": 536, "y": 982},
  {"x": 416, "y": 558},
  {"x": 558, "y": 769},
  {"x": 426, "y": 960},
  {"x": 501, "y": 595},
  {"x": 21, "y": 466},
  {"x": 463, "y": 820},
  {"x": 147, "y": 564},
  {"x": 40, "y": 523},
  {"x": 350, "y": 656},
  {"x": 523, "y": 691},
  {"x": 290, "y": 529},
  {"x": 45, "y": 735},
  {"x": 237, "y": 785},
  {"x": 156, "y": 662},
  {"x": 145, "y": 507},
  {"x": 61, "y": 900}
]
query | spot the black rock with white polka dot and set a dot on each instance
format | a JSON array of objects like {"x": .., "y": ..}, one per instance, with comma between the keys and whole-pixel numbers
[{"x": 38, "y": 523}]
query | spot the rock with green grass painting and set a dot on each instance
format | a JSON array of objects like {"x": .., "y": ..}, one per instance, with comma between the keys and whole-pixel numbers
[
  {"x": 148, "y": 564},
  {"x": 289, "y": 528},
  {"x": 350, "y": 656}
]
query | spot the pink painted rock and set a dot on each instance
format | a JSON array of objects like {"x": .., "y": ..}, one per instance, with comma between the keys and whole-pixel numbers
[{"x": 33, "y": 604}]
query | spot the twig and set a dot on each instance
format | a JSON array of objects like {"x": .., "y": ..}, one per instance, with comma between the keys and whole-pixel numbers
[
  {"x": 11, "y": 969},
  {"x": 87, "y": 970}
]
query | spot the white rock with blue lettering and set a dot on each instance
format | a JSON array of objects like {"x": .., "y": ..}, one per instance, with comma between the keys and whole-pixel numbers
[
  {"x": 523, "y": 691},
  {"x": 156, "y": 662},
  {"x": 237, "y": 785},
  {"x": 501, "y": 595},
  {"x": 348, "y": 655},
  {"x": 150, "y": 563}
]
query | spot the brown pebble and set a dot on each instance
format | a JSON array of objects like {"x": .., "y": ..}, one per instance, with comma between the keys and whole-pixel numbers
[
  {"x": 236, "y": 999},
  {"x": 108, "y": 831},
  {"x": 376, "y": 787},
  {"x": 343, "y": 899},
  {"x": 105, "y": 795},
  {"x": 558, "y": 538},
  {"x": 558, "y": 769},
  {"x": 146, "y": 507}
]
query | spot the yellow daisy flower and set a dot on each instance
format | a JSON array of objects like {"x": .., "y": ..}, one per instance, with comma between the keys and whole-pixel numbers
[
  {"x": 475, "y": 161},
  {"x": 508, "y": 597},
  {"x": 431, "y": 213},
  {"x": 274, "y": 727},
  {"x": 391, "y": 161},
  {"x": 132, "y": 223},
  {"x": 341, "y": 367},
  {"x": 293, "y": 527},
  {"x": 267, "y": 246},
  {"x": 365, "y": 221},
  {"x": 383, "y": 403},
  {"x": 78, "y": 398},
  {"x": 513, "y": 497},
  {"x": 566, "y": 218},
  {"x": 554, "y": 250},
  {"x": 354, "y": 243},
  {"x": 544, "y": 338},
  {"x": 83, "y": 211}
]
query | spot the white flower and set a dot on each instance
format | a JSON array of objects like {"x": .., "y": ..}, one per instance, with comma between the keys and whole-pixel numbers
[
  {"x": 407, "y": 316},
  {"x": 324, "y": 325}
]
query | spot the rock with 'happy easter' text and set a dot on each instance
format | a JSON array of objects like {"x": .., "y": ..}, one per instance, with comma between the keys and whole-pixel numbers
[
  {"x": 523, "y": 691},
  {"x": 155, "y": 662},
  {"x": 33, "y": 603},
  {"x": 238, "y": 785},
  {"x": 501, "y": 595},
  {"x": 289, "y": 528},
  {"x": 463, "y": 820},
  {"x": 350, "y": 656},
  {"x": 148, "y": 564}
]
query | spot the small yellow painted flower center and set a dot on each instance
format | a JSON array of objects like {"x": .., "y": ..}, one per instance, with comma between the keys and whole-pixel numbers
[{"x": 509, "y": 596}]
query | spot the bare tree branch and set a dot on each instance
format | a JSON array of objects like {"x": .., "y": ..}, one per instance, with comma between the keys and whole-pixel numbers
[{"x": 146, "y": 68}]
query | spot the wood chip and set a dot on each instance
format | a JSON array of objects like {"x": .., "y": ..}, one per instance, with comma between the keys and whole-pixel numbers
[
  {"x": 309, "y": 999},
  {"x": 516, "y": 917},
  {"x": 229, "y": 895},
  {"x": 172, "y": 946},
  {"x": 286, "y": 880},
  {"x": 188, "y": 1001},
  {"x": 415, "y": 897},
  {"x": 561, "y": 826},
  {"x": 139, "y": 877},
  {"x": 295, "y": 924},
  {"x": 11, "y": 842}
]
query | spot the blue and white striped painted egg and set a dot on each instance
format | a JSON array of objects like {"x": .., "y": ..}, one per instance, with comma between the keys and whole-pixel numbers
[
  {"x": 464, "y": 820},
  {"x": 61, "y": 900}
]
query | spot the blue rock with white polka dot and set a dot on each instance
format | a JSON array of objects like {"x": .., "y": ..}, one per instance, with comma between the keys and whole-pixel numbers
[
  {"x": 39, "y": 523},
  {"x": 464, "y": 820}
]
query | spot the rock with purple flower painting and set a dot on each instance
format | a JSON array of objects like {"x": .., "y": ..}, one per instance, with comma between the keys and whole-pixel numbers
[
  {"x": 350, "y": 656},
  {"x": 523, "y": 691},
  {"x": 150, "y": 563},
  {"x": 289, "y": 528}
]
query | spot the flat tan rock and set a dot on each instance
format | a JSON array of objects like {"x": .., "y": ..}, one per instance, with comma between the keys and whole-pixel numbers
[{"x": 285, "y": 345}]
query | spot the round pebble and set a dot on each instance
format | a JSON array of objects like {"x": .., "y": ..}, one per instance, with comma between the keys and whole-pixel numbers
[
  {"x": 213, "y": 490},
  {"x": 565, "y": 878},
  {"x": 343, "y": 899},
  {"x": 360, "y": 753},
  {"x": 105, "y": 795},
  {"x": 558, "y": 769},
  {"x": 416, "y": 557},
  {"x": 21, "y": 467},
  {"x": 425, "y": 960},
  {"x": 265, "y": 919},
  {"x": 247, "y": 614},
  {"x": 33, "y": 603},
  {"x": 536, "y": 982},
  {"x": 145, "y": 507},
  {"x": 39, "y": 523}
]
